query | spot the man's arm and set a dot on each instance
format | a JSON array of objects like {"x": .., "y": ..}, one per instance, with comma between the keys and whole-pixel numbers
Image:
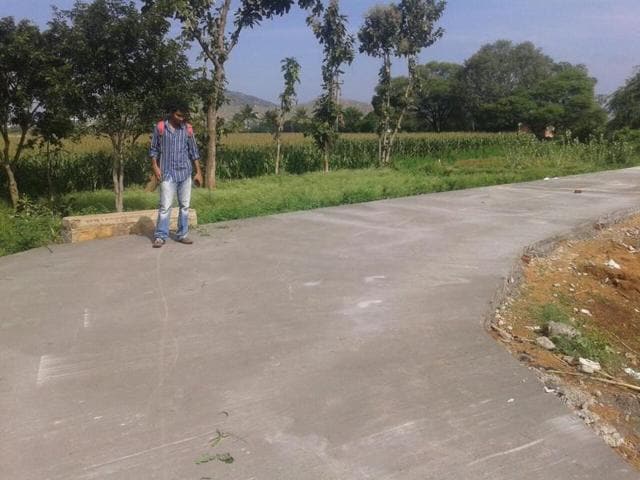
[
  {"x": 198, "y": 177},
  {"x": 194, "y": 154},
  {"x": 154, "y": 153}
]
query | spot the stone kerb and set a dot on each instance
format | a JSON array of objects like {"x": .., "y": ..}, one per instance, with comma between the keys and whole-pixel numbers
[{"x": 142, "y": 222}]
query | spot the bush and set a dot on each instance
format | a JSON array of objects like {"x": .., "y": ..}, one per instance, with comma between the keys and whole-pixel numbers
[{"x": 31, "y": 225}]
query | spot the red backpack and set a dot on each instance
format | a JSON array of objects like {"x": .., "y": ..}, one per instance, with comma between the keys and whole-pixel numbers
[{"x": 160, "y": 127}]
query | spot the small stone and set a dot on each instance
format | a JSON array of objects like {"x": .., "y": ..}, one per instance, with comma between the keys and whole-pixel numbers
[
  {"x": 569, "y": 359},
  {"x": 562, "y": 329},
  {"x": 588, "y": 366},
  {"x": 556, "y": 285},
  {"x": 613, "y": 264},
  {"x": 597, "y": 393},
  {"x": 545, "y": 343},
  {"x": 610, "y": 435},
  {"x": 632, "y": 373},
  {"x": 586, "y": 312}
]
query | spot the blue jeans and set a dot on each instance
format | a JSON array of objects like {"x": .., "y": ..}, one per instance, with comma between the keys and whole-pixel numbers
[{"x": 168, "y": 190}]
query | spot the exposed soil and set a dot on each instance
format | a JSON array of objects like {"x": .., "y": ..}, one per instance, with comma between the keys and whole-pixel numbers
[{"x": 579, "y": 283}]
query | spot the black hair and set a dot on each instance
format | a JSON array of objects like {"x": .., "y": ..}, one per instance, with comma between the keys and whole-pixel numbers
[{"x": 178, "y": 106}]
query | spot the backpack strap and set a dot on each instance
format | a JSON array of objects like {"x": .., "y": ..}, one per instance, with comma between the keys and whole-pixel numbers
[{"x": 160, "y": 127}]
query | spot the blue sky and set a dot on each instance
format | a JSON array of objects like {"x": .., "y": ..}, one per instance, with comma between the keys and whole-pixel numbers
[{"x": 602, "y": 34}]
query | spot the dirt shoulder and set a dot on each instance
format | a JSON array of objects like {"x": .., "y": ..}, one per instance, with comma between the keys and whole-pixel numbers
[{"x": 580, "y": 303}]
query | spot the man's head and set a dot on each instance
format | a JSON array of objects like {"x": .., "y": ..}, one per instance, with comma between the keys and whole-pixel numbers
[{"x": 178, "y": 112}]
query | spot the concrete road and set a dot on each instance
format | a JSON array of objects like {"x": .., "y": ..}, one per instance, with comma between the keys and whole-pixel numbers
[{"x": 339, "y": 344}]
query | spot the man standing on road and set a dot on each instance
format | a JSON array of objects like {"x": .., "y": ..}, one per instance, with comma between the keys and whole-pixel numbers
[{"x": 173, "y": 150}]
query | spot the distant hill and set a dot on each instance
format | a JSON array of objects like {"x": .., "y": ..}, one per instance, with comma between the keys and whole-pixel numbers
[{"x": 237, "y": 100}]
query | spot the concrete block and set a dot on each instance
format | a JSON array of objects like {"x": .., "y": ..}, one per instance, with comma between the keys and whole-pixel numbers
[{"x": 142, "y": 222}]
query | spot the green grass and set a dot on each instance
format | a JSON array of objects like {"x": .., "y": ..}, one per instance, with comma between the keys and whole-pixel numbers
[
  {"x": 551, "y": 312},
  {"x": 588, "y": 344},
  {"x": 26, "y": 229}
]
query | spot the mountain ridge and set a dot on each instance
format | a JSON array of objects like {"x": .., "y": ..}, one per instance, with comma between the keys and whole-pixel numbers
[{"x": 238, "y": 100}]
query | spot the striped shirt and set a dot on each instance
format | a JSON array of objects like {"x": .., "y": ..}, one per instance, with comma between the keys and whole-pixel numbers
[{"x": 176, "y": 151}]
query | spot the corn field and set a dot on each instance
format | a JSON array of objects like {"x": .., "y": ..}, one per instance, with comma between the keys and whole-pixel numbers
[{"x": 86, "y": 165}]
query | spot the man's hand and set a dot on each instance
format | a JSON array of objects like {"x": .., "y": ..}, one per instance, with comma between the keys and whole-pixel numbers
[
  {"x": 197, "y": 179},
  {"x": 156, "y": 171}
]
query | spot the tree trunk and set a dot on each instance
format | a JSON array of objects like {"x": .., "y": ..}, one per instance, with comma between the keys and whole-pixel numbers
[
  {"x": 212, "y": 126},
  {"x": 326, "y": 157},
  {"x": 14, "y": 194},
  {"x": 121, "y": 184},
  {"x": 278, "y": 144},
  {"x": 49, "y": 173},
  {"x": 386, "y": 129},
  {"x": 117, "y": 179}
]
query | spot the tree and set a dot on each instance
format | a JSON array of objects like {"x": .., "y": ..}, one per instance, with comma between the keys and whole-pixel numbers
[
  {"x": 380, "y": 37},
  {"x": 331, "y": 32},
  {"x": 624, "y": 104},
  {"x": 351, "y": 118},
  {"x": 207, "y": 23},
  {"x": 300, "y": 120},
  {"x": 28, "y": 72},
  {"x": 497, "y": 71},
  {"x": 401, "y": 30},
  {"x": 124, "y": 70},
  {"x": 438, "y": 99},
  {"x": 567, "y": 101},
  {"x": 505, "y": 84},
  {"x": 291, "y": 70}
]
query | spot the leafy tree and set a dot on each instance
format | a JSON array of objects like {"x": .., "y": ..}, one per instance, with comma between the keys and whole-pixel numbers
[
  {"x": 124, "y": 70},
  {"x": 402, "y": 30},
  {"x": 624, "y": 104},
  {"x": 351, "y": 118},
  {"x": 207, "y": 22},
  {"x": 291, "y": 71},
  {"x": 438, "y": 96},
  {"x": 28, "y": 73},
  {"x": 393, "y": 98},
  {"x": 331, "y": 32},
  {"x": 380, "y": 37},
  {"x": 567, "y": 101},
  {"x": 497, "y": 71},
  {"x": 368, "y": 123},
  {"x": 300, "y": 120}
]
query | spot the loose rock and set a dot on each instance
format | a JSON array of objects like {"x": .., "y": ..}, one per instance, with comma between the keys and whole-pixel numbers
[
  {"x": 613, "y": 264},
  {"x": 545, "y": 343},
  {"x": 562, "y": 329},
  {"x": 588, "y": 366}
]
